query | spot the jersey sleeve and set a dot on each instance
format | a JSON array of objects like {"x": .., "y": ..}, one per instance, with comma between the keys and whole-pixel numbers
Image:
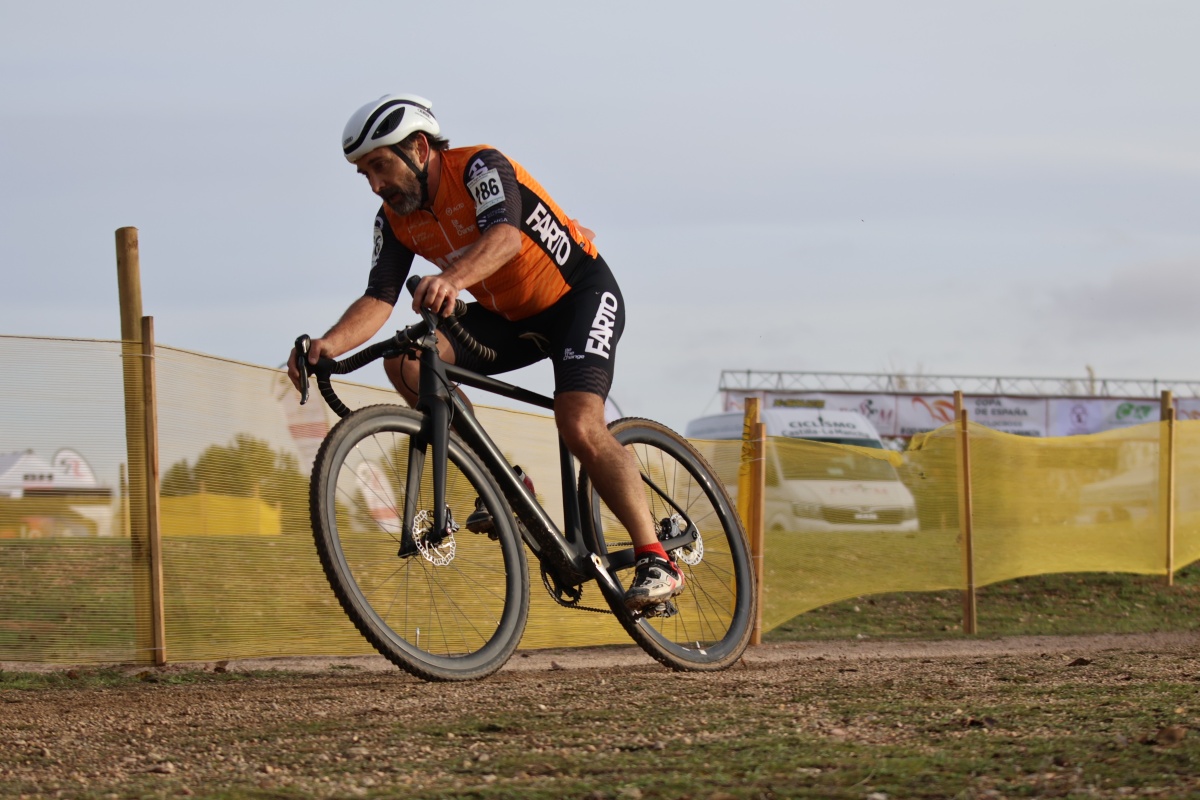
[
  {"x": 492, "y": 183},
  {"x": 390, "y": 263}
]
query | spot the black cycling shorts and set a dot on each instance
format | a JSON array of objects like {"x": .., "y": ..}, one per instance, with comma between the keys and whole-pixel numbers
[{"x": 579, "y": 334}]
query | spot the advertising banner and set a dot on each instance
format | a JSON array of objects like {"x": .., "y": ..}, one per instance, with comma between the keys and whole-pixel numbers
[
  {"x": 918, "y": 413},
  {"x": 735, "y": 400},
  {"x": 1023, "y": 416},
  {"x": 1187, "y": 408},
  {"x": 879, "y": 409},
  {"x": 908, "y": 414},
  {"x": 1073, "y": 416}
]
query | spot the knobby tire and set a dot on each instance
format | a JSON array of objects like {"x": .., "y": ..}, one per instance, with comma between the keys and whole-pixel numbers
[
  {"x": 717, "y": 608},
  {"x": 457, "y": 621}
]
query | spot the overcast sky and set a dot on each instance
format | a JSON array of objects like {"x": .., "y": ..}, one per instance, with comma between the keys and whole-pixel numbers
[{"x": 985, "y": 188}]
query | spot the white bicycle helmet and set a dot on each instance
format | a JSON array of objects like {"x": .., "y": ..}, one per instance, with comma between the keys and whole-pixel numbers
[{"x": 387, "y": 121}]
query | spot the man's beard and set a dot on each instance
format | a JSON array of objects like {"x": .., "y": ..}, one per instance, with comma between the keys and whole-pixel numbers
[{"x": 402, "y": 202}]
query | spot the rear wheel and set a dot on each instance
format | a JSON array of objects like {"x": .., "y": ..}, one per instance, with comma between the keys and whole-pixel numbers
[
  {"x": 713, "y": 617},
  {"x": 448, "y": 607}
]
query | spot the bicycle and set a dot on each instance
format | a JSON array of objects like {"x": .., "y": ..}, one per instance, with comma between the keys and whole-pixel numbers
[{"x": 445, "y": 602}]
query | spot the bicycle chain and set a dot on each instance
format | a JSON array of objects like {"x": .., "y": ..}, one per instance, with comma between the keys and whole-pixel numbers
[{"x": 546, "y": 581}]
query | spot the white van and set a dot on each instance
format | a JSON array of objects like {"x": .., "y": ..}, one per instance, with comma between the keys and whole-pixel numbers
[{"x": 842, "y": 491}]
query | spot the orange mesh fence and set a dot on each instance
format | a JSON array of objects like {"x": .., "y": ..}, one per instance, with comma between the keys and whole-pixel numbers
[{"x": 241, "y": 577}]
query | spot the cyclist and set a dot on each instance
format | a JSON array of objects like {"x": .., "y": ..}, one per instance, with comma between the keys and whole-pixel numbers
[{"x": 541, "y": 290}]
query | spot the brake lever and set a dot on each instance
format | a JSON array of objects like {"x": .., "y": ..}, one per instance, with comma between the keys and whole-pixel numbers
[
  {"x": 460, "y": 306},
  {"x": 303, "y": 343}
]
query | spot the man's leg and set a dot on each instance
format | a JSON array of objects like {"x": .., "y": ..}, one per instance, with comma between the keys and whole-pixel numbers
[
  {"x": 405, "y": 372},
  {"x": 614, "y": 471},
  {"x": 580, "y": 419}
]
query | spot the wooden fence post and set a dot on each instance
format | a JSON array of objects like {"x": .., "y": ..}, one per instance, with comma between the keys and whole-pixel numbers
[
  {"x": 1167, "y": 475},
  {"x": 158, "y": 631},
  {"x": 970, "y": 620},
  {"x": 751, "y": 499},
  {"x": 129, "y": 288}
]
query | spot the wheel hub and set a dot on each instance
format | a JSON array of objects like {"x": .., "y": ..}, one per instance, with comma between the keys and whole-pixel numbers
[{"x": 440, "y": 552}]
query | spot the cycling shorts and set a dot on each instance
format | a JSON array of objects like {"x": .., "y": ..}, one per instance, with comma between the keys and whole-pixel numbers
[{"x": 579, "y": 333}]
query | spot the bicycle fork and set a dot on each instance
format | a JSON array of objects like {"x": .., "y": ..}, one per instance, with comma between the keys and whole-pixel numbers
[{"x": 434, "y": 400}]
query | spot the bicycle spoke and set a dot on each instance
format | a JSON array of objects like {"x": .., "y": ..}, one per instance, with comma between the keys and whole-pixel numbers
[
  {"x": 444, "y": 607},
  {"x": 711, "y": 621}
]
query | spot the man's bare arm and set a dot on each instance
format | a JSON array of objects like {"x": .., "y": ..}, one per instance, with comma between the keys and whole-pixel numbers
[
  {"x": 360, "y": 322},
  {"x": 495, "y": 248}
]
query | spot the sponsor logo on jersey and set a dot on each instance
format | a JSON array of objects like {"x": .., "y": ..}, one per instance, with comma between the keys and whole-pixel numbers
[
  {"x": 379, "y": 223},
  {"x": 555, "y": 240},
  {"x": 476, "y": 169},
  {"x": 421, "y": 236},
  {"x": 600, "y": 335},
  {"x": 460, "y": 229}
]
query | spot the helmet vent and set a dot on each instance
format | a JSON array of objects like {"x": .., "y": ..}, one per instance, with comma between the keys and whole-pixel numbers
[{"x": 389, "y": 123}]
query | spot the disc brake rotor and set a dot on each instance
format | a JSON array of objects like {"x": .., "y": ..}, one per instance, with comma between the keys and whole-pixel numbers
[
  {"x": 439, "y": 554},
  {"x": 690, "y": 554}
]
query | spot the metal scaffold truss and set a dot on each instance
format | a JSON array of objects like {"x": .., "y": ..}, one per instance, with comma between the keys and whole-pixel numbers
[{"x": 756, "y": 381}]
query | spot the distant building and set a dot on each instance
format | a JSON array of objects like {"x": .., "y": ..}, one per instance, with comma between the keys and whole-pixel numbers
[{"x": 60, "y": 497}]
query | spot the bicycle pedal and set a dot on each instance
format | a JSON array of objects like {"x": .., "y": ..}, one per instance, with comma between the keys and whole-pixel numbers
[
  {"x": 664, "y": 610},
  {"x": 480, "y": 520}
]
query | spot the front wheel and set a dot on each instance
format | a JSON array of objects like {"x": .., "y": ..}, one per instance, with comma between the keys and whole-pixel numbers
[
  {"x": 710, "y": 623},
  {"x": 447, "y": 605}
]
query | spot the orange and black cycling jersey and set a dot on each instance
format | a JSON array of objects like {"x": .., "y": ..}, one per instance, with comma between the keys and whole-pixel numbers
[{"x": 480, "y": 188}]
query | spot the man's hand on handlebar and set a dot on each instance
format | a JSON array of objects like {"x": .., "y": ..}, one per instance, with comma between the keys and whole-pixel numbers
[
  {"x": 436, "y": 293},
  {"x": 318, "y": 348}
]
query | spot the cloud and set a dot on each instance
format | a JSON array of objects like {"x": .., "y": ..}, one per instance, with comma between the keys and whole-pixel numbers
[{"x": 1136, "y": 301}]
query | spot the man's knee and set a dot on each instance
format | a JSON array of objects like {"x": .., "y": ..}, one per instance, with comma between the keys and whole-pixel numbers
[
  {"x": 580, "y": 420},
  {"x": 404, "y": 374}
]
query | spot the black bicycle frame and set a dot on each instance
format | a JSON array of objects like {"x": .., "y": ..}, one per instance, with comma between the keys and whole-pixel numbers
[{"x": 562, "y": 553}]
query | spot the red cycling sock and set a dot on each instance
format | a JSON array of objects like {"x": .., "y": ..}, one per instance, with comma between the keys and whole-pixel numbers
[{"x": 656, "y": 549}]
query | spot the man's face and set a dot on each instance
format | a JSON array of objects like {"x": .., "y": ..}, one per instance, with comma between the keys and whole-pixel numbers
[{"x": 391, "y": 179}]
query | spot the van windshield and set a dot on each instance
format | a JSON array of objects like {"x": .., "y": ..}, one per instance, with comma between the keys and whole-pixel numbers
[
  {"x": 872, "y": 443},
  {"x": 798, "y": 466}
]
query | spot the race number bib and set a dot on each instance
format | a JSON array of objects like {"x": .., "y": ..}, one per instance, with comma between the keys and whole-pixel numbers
[{"x": 486, "y": 190}]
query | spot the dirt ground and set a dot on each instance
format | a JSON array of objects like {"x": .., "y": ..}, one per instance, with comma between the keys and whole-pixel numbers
[
  {"x": 601, "y": 658},
  {"x": 328, "y": 726}
]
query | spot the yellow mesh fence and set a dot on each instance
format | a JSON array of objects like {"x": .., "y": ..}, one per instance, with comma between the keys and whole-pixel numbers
[
  {"x": 840, "y": 522},
  {"x": 1077, "y": 504},
  {"x": 66, "y": 557},
  {"x": 241, "y": 577},
  {"x": 843, "y": 522},
  {"x": 1186, "y": 547}
]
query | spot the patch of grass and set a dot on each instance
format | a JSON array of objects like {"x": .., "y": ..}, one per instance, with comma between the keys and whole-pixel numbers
[
  {"x": 85, "y": 678},
  {"x": 1070, "y": 604}
]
